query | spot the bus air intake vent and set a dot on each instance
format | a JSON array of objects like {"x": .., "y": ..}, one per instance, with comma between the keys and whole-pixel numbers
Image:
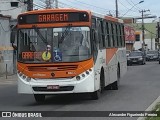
[{"x": 52, "y": 68}]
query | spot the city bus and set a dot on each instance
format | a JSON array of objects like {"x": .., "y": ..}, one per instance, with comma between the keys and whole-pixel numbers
[{"x": 68, "y": 51}]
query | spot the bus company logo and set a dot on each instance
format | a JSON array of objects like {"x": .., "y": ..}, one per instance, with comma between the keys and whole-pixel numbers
[
  {"x": 52, "y": 68},
  {"x": 40, "y": 75},
  {"x": 52, "y": 74},
  {"x": 6, "y": 114}
]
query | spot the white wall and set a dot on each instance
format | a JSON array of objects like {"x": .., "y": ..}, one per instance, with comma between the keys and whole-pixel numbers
[
  {"x": 6, "y": 50},
  {"x": 6, "y": 9},
  {"x": 148, "y": 42},
  {"x": 4, "y": 31},
  {"x": 138, "y": 44}
]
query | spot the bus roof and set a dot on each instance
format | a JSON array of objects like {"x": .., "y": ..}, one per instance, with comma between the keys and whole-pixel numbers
[
  {"x": 109, "y": 18},
  {"x": 55, "y": 10}
]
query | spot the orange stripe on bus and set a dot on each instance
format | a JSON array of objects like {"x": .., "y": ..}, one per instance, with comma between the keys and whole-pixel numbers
[
  {"x": 111, "y": 18},
  {"x": 110, "y": 52},
  {"x": 61, "y": 70},
  {"x": 56, "y": 24}
]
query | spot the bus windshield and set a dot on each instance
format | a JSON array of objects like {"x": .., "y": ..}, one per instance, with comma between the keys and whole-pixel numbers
[{"x": 67, "y": 44}]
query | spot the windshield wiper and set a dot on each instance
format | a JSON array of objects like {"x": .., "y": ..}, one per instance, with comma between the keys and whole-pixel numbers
[
  {"x": 40, "y": 35},
  {"x": 65, "y": 33}
]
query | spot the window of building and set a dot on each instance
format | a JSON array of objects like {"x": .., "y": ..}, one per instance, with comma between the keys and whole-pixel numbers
[
  {"x": 14, "y": 4},
  {"x": 137, "y": 36}
]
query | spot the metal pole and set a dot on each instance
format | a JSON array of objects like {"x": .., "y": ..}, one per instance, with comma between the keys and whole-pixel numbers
[
  {"x": 30, "y": 5},
  {"x": 151, "y": 41},
  {"x": 56, "y": 3},
  {"x": 48, "y": 4},
  {"x": 6, "y": 71},
  {"x": 143, "y": 42},
  {"x": 158, "y": 24},
  {"x": 116, "y": 9},
  {"x": 143, "y": 37}
]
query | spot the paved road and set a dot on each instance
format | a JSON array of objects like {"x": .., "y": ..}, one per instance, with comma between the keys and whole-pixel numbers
[{"x": 139, "y": 88}]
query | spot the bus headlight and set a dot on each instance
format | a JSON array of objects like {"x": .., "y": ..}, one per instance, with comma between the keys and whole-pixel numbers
[
  {"x": 28, "y": 79},
  {"x": 83, "y": 75},
  {"x": 20, "y": 74},
  {"x": 78, "y": 78},
  {"x": 24, "y": 77},
  {"x": 87, "y": 72}
]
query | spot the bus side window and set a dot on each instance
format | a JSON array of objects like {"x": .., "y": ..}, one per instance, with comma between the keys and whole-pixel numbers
[
  {"x": 103, "y": 33},
  {"x": 93, "y": 23},
  {"x": 95, "y": 38},
  {"x": 123, "y": 36},
  {"x": 94, "y": 31},
  {"x": 120, "y": 36},
  {"x": 112, "y": 35},
  {"x": 107, "y": 35},
  {"x": 115, "y": 34},
  {"x": 100, "y": 35}
]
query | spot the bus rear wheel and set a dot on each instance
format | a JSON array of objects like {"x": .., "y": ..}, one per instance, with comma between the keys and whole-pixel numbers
[
  {"x": 39, "y": 98},
  {"x": 115, "y": 85}
]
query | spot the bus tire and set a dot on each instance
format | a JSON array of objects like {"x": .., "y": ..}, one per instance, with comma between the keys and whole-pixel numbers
[
  {"x": 102, "y": 81},
  {"x": 115, "y": 85},
  {"x": 39, "y": 98},
  {"x": 95, "y": 95}
]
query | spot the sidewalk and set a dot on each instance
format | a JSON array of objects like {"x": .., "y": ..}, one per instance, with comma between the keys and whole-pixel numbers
[
  {"x": 151, "y": 108},
  {"x": 8, "y": 78}
]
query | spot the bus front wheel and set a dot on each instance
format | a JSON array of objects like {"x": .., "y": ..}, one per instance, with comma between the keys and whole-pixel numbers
[
  {"x": 39, "y": 98},
  {"x": 95, "y": 95}
]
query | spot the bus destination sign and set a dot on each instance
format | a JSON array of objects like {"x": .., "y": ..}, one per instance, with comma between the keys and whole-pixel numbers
[{"x": 53, "y": 18}]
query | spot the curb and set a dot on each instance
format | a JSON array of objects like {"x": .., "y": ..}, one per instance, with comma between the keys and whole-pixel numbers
[{"x": 150, "y": 108}]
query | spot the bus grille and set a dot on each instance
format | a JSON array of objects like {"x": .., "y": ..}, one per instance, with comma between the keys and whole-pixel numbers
[{"x": 53, "y": 68}]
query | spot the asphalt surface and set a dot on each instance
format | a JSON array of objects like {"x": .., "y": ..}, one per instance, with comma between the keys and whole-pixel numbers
[{"x": 139, "y": 88}]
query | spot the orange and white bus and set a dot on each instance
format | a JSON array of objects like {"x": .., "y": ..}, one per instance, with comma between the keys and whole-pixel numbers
[{"x": 63, "y": 51}]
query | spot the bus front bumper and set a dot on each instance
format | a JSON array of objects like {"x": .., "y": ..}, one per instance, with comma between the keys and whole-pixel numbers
[{"x": 57, "y": 86}]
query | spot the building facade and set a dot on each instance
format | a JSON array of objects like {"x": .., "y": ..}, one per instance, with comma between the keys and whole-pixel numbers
[
  {"x": 9, "y": 10},
  {"x": 129, "y": 37},
  {"x": 149, "y": 34},
  {"x": 6, "y": 51},
  {"x": 12, "y": 7}
]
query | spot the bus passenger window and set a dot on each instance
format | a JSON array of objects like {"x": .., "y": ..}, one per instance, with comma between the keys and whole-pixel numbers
[{"x": 108, "y": 28}]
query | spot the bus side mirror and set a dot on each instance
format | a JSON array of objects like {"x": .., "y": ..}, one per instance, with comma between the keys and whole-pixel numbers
[{"x": 12, "y": 37}]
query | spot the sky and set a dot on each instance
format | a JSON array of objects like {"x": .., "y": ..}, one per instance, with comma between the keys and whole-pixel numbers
[{"x": 126, "y": 8}]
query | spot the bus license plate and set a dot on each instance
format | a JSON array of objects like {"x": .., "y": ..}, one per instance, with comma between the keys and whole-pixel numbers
[{"x": 52, "y": 87}]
